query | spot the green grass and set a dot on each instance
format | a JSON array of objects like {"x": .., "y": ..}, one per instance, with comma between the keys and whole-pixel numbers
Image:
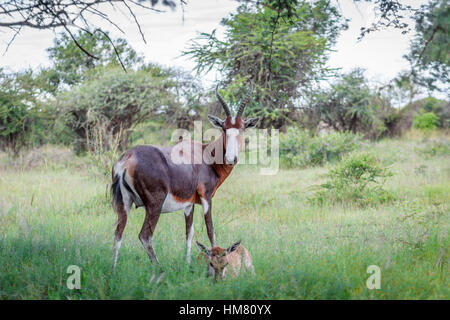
[{"x": 53, "y": 217}]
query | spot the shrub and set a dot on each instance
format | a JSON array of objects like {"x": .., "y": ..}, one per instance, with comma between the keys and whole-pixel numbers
[
  {"x": 440, "y": 108},
  {"x": 298, "y": 148},
  {"x": 357, "y": 178},
  {"x": 426, "y": 121}
]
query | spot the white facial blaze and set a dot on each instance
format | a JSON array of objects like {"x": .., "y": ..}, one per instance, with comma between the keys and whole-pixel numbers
[{"x": 232, "y": 147}]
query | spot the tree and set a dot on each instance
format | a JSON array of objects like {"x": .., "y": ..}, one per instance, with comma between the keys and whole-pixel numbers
[
  {"x": 71, "y": 15},
  {"x": 429, "y": 50},
  {"x": 404, "y": 88},
  {"x": 390, "y": 14},
  {"x": 105, "y": 109},
  {"x": 281, "y": 46},
  {"x": 14, "y": 122},
  {"x": 349, "y": 104},
  {"x": 72, "y": 66},
  {"x": 189, "y": 99},
  {"x": 22, "y": 116}
]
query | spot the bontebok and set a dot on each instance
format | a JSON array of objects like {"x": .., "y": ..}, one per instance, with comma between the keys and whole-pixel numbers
[{"x": 171, "y": 179}]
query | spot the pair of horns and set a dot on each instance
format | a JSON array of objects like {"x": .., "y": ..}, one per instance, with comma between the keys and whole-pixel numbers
[{"x": 242, "y": 105}]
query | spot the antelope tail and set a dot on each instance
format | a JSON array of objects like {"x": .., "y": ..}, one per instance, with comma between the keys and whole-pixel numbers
[{"x": 123, "y": 193}]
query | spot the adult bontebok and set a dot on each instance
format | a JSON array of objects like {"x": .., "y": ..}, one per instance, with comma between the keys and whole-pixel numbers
[
  {"x": 171, "y": 179},
  {"x": 220, "y": 260}
]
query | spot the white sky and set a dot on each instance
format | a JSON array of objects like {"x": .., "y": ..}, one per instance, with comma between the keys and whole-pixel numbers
[{"x": 380, "y": 52}]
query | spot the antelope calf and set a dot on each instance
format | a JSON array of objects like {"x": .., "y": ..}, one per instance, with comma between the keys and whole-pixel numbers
[{"x": 220, "y": 259}]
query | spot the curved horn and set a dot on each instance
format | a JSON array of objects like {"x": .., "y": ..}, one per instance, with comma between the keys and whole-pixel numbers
[
  {"x": 222, "y": 102},
  {"x": 244, "y": 101}
]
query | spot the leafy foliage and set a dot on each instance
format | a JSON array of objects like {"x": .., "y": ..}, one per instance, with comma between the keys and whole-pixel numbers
[
  {"x": 390, "y": 13},
  {"x": 71, "y": 65},
  {"x": 299, "y": 148},
  {"x": 358, "y": 179},
  {"x": 282, "y": 49},
  {"x": 430, "y": 45},
  {"x": 426, "y": 121},
  {"x": 189, "y": 101},
  {"x": 113, "y": 103},
  {"x": 22, "y": 115},
  {"x": 349, "y": 104},
  {"x": 14, "y": 122},
  {"x": 406, "y": 114},
  {"x": 440, "y": 108}
]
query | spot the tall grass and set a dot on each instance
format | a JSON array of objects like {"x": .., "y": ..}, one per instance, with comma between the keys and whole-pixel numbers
[{"x": 52, "y": 217}]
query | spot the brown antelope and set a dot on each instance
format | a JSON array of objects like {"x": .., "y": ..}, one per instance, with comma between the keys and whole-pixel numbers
[
  {"x": 220, "y": 259},
  {"x": 171, "y": 179}
]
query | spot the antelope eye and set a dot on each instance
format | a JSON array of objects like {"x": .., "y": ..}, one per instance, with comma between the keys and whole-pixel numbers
[{"x": 211, "y": 265}]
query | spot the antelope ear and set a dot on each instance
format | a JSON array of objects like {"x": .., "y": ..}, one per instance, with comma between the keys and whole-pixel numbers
[
  {"x": 203, "y": 248},
  {"x": 216, "y": 122},
  {"x": 233, "y": 247},
  {"x": 252, "y": 122}
]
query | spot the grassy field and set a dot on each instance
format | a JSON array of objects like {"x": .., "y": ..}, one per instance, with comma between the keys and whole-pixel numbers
[{"x": 53, "y": 216}]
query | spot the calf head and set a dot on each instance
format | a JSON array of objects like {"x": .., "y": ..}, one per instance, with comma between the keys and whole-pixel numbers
[{"x": 218, "y": 259}]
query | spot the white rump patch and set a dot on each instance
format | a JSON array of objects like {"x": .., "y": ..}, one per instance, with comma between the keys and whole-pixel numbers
[{"x": 128, "y": 198}]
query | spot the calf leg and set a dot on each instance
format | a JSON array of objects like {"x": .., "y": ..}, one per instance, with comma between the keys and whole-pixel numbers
[{"x": 248, "y": 262}]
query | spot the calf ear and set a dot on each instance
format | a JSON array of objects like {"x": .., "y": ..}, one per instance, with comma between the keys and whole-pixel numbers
[
  {"x": 203, "y": 248},
  {"x": 233, "y": 247},
  {"x": 216, "y": 122},
  {"x": 251, "y": 123}
]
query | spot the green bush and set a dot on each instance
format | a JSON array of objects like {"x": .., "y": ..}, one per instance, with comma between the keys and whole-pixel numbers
[
  {"x": 358, "y": 178},
  {"x": 426, "y": 121},
  {"x": 298, "y": 148},
  {"x": 24, "y": 119}
]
